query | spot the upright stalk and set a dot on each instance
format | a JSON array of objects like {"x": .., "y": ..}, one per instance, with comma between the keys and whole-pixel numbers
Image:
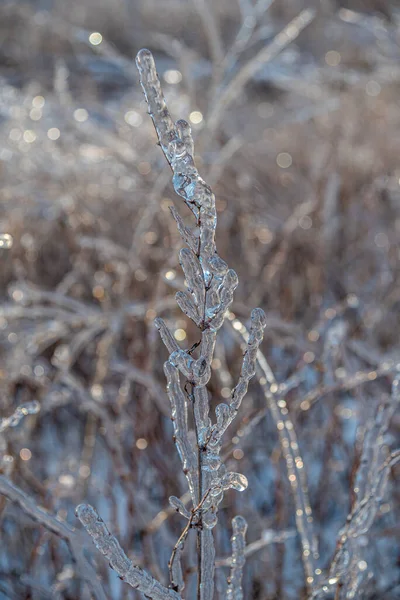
[{"x": 210, "y": 287}]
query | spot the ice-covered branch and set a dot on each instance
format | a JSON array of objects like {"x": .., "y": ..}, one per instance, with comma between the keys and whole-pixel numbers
[
  {"x": 226, "y": 413},
  {"x": 238, "y": 539},
  {"x": 73, "y": 537},
  {"x": 348, "y": 571},
  {"x": 210, "y": 286},
  {"x": 109, "y": 546},
  {"x": 268, "y": 537},
  {"x": 179, "y": 419},
  {"x": 291, "y": 453}
]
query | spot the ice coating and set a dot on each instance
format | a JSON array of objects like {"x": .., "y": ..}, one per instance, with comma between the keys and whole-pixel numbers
[
  {"x": 109, "y": 546},
  {"x": 210, "y": 288},
  {"x": 238, "y": 541}
]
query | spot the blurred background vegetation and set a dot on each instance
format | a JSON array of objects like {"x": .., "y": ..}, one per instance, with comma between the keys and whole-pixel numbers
[{"x": 304, "y": 160}]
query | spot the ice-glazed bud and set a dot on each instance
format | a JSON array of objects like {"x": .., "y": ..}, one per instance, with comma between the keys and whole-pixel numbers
[
  {"x": 237, "y": 481},
  {"x": 218, "y": 266},
  {"x": 238, "y": 541},
  {"x": 209, "y": 520},
  {"x": 258, "y": 318},
  {"x": 188, "y": 307},
  {"x": 178, "y": 505},
  {"x": 239, "y": 525},
  {"x": 145, "y": 60}
]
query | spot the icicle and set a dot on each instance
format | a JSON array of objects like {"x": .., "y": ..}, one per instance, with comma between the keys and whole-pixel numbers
[
  {"x": 218, "y": 266},
  {"x": 236, "y": 481}
]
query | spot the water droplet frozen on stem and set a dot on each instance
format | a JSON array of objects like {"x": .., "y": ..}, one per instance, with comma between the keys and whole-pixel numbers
[{"x": 236, "y": 481}]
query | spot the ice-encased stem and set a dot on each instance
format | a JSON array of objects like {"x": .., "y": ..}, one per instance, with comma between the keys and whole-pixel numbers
[
  {"x": 109, "y": 546},
  {"x": 210, "y": 292},
  {"x": 238, "y": 539},
  {"x": 291, "y": 453}
]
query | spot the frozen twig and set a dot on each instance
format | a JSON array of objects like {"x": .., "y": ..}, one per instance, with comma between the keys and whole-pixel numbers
[
  {"x": 348, "y": 572},
  {"x": 268, "y": 537},
  {"x": 109, "y": 546},
  {"x": 74, "y": 539},
  {"x": 280, "y": 41},
  {"x": 210, "y": 287},
  {"x": 291, "y": 453},
  {"x": 238, "y": 539},
  {"x": 175, "y": 560}
]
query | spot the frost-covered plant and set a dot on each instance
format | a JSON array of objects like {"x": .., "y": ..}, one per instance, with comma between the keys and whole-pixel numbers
[
  {"x": 349, "y": 572},
  {"x": 210, "y": 286}
]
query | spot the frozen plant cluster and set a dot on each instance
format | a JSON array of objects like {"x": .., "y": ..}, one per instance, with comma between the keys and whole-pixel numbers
[
  {"x": 210, "y": 285},
  {"x": 298, "y": 143}
]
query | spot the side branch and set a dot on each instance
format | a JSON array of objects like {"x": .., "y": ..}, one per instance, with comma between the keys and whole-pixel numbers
[
  {"x": 72, "y": 537},
  {"x": 109, "y": 546}
]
